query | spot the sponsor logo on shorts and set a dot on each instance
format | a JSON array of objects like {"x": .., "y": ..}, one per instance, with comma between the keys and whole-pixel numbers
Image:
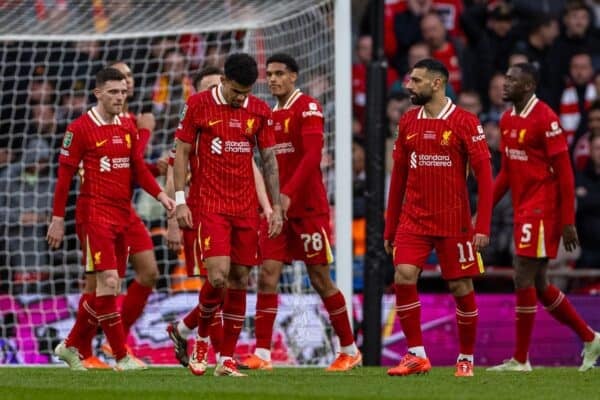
[
  {"x": 524, "y": 245},
  {"x": 466, "y": 266}
]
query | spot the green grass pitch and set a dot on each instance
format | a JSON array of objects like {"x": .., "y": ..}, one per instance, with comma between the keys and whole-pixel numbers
[{"x": 296, "y": 383}]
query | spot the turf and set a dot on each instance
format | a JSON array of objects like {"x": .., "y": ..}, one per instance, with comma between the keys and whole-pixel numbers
[{"x": 296, "y": 383}]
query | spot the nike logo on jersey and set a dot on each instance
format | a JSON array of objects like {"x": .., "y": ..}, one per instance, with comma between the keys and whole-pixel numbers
[
  {"x": 467, "y": 266},
  {"x": 101, "y": 143},
  {"x": 211, "y": 123},
  {"x": 312, "y": 255},
  {"x": 408, "y": 137},
  {"x": 524, "y": 245}
]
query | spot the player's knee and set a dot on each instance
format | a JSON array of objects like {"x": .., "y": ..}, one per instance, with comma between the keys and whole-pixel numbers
[
  {"x": 405, "y": 276},
  {"x": 523, "y": 282},
  {"x": 267, "y": 281},
  {"x": 217, "y": 281},
  {"x": 321, "y": 282},
  {"x": 541, "y": 284},
  {"x": 460, "y": 287},
  {"x": 148, "y": 277},
  {"x": 108, "y": 282}
]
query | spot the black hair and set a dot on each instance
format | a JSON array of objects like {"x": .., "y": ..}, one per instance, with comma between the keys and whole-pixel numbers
[
  {"x": 108, "y": 74},
  {"x": 289, "y": 61},
  {"x": 206, "y": 71},
  {"x": 241, "y": 68},
  {"x": 435, "y": 66},
  {"x": 530, "y": 70}
]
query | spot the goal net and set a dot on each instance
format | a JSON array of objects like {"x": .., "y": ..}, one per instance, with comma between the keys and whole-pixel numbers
[{"x": 50, "y": 52}]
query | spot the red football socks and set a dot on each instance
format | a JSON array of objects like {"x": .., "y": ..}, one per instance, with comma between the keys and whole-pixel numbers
[
  {"x": 133, "y": 304},
  {"x": 525, "y": 318},
  {"x": 408, "y": 309},
  {"x": 234, "y": 313},
  {"x": 338, "y": 315},
  {"x": 563, "y": 311},
  {"x": 466, "y": 320},
  {"x": 266, "y": 312},
  {"x": 110, "y": 320},
  {"x": 210, "y": 298}
]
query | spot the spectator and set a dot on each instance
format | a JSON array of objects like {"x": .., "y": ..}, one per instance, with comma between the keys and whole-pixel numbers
[
  {"x": 447, "y": 52},
  {"x": 359, "y": 180},
  {"x": 577, "y": 97},
  {"x": 171, "y": 90},
  {"x": 493, "y": 29},
  {"x": 470, "y": 101},
  {"x": 577, "y": 36},
  {"x": 499, "y": 251},
  {"x": 517, "y": 57},
  {"x": 72, "y": 102},
  {"x": 45, "y": 126},
  {"x": 496, "y": 104},
  {"x": 26, "y": 205},
  {"x": 581, "y": 150},
  {"x": 542, "y": 34},
  {"x": 588, "y": 212},
  {"x": 364, "y": 51}
]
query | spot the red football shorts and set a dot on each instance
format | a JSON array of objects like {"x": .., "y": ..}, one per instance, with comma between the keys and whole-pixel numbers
[
  {"x": 537, "y": 237},
  {"x": 305, "y": 239},
  {"x": 192, "y": 252},
  {"x": 104, "y": 247},
  {"x": 226, "y": 235},
  {"x": 456, "y": 255},
  {"x": 138, "y": 238}
]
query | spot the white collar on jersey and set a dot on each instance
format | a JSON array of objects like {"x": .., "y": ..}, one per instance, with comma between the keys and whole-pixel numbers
[
  {"x": 217, "y": 94},
  {"x": 290, "y": 101},
  {"x": 533, "y": 100},
  {"x": 98, "y": 120},
  {"x": 444, "y": 113}
]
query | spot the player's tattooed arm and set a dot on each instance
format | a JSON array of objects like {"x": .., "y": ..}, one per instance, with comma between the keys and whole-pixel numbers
[{"x": 271, "y": 174}]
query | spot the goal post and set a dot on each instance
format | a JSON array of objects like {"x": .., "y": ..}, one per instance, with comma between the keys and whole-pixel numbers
[{"x": 50, "y": 52}]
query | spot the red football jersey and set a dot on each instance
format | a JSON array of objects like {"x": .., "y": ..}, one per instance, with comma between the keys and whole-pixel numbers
[
  {"x": 528, "y": 142},
  {"x": 436, "y": 152},
  {"x": 224, "y": 181},
  {"x": 106, "y": 153},
  {"x": 299, "y": 117}
]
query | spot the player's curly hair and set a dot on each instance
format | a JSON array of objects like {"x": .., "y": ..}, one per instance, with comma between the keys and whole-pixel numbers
[
  {"x": 108, "y": 74},
  {"x": 241, "y": 68},
  {"x": 289, "y": 61}
]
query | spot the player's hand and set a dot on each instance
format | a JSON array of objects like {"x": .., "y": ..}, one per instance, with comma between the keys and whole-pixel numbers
[
  {"x": 389, "y": 248},
  {"x": 56, "y": 232},
  {"x": 570, "y": 239},
  {"x": 184, "y": 216},
  {"x": 162, "y": 164},
  {"x": 146, "y": 121},
  {"x": 480, "y": 241},
  {"x": 276, "y": 222},
  {"x": 167, "y": 202},
  {"x": 268, "y": 214},
  {"x": 285, "y": 204},
  {"x": 173, "y": 235}
]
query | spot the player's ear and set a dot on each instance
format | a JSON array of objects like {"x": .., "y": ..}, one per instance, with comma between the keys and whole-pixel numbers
[
  {"x": 293, "y": 76},
  {"x": 97, "y": 92}
]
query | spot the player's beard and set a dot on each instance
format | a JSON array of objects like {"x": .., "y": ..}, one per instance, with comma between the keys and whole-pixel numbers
[{"x": 420, "y": 99}]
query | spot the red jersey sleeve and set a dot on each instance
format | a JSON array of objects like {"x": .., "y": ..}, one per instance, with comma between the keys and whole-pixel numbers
[
  {"x": 396, "y": 191},
  {"x": 188, "y": 127},
  {"x": 312, "y": 119},
  {"x": 266, "y": 135},
  {"x": 474, "y": 138},
  {"x": 554, "y": 139},
  {"x": 73, "y": 146}
]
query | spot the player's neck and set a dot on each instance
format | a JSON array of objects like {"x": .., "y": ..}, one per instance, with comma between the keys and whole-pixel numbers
[
  {"x": 435, "y": 106},
  {"x": 281, "y": 100},
  {"x": 107, "y": 117},
  {"x": 520, "y": 105}
]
